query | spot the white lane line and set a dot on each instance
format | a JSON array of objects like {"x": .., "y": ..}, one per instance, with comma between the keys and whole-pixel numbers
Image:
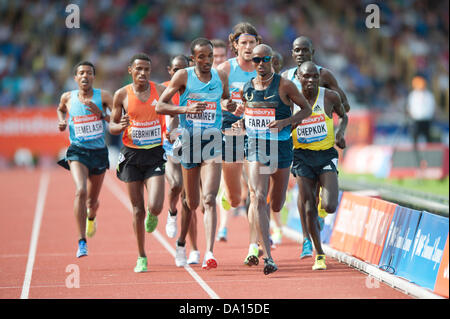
[
  {"x": 122, "y": 197},
  {"x": 38, "y": 213}
]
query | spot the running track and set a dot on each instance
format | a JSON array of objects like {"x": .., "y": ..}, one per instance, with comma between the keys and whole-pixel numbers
[{"x": 38, "y": 246}]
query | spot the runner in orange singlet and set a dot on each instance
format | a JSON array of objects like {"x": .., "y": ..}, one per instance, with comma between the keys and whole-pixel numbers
[{"x": 141, "y": 160}]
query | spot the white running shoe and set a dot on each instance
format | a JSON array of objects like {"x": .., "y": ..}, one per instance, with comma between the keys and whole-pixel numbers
[
  {"x": 180, "y": 256},
  {"x": 209, "y": 262},
  {"x": 194, "y": 257},
  {"x": 171, "y": 226}
]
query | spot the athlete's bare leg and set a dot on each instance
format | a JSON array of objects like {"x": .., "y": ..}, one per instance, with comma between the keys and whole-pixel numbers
[
  {"x": 258, "y": 212},
  {"x": 210, "y": 179},
  {"x": 136, "y": 194},
  {"x": 80, "y": 174},
  {"x": 94, "y": 185}
]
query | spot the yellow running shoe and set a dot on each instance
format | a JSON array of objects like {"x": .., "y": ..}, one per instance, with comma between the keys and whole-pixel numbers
[
  {"x": 319, "y": 264},
  {"x": 91, "y": 227}
]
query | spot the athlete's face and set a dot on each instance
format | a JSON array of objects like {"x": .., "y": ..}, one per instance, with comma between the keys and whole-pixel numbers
[
  {"x": 177, "y": 64},
  {"x": 261, "y": 67},
  {"x": 140, "y": 71},
  {"x": 245, "y": 45},
  {"x": 309, "y": 78},
  {"x": 302, "y": 52},
  {"x": 203, "y": 58},
  {"x": 84, "y": 77},
  {"x": 220, "y": 55}
]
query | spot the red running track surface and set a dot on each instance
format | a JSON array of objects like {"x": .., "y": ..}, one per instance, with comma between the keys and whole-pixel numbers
[{"x": 107, "y": 272}]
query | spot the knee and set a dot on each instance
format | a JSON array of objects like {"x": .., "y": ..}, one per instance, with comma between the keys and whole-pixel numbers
[
  {"x": 138, "y": 212},
  {"x": 191, "y": 204},
  {"x": 329, "y": 206},
  {"x": 258, "y": 198},
  {"x": 155, "y": 208},
  {"x": 209, "y": 201}
]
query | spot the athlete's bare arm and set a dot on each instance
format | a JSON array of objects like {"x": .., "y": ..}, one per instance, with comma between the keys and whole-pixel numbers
[
  {"x": 107, "y": 100},
  {"x": 226, "y": 102},
  {"x": 334, "y": 100},
  {"x": 285, "y": 74},
  {"x": 328, "y": 80},
  {"x": 177, "y": 84},
  {"x": 62, "y": 110},
  {"x": 118, "y": 122},
  {"x": 290, "y": 94}
]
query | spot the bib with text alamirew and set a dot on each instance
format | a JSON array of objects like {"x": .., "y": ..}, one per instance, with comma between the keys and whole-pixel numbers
[{"x": 206, "y": 119}]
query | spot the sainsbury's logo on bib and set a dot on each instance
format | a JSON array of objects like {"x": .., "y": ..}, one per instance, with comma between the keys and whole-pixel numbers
[{"x": 312, "y": 129}]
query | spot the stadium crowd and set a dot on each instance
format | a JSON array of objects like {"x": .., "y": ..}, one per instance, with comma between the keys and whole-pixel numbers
[{"x": 375, "y": 66}]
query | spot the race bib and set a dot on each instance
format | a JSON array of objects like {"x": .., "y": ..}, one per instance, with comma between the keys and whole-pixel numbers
[
  {"x": 146, "y": 133},
  {"x": 257, "y": 119},
  {"x": 205, "y": 119},
  {"x": 312, "y": 129},
  {"x": 88, "y": 127}
]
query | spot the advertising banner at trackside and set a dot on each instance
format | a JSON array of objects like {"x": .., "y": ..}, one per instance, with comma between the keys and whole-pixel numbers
[
  {"x": 375, "y": 231},
  {"x": 368, "y": 159},
  {"x": 350, "y": 222},
  {"x": 399, "y": 240},
  {"x": 426, "y": 253},
  {"x": 441, "y": 286},
  {"x": 35, "y": 129},
  {"x": 327, "y": 230}
]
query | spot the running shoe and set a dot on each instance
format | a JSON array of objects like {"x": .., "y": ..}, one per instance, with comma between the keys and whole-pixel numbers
[
  {"x": 91, "y": 227},
  {"x": 277, "y": 236},
  {"x": 194, "y": 257},
  {"x": 319, "y": 264},
  {"x": 171, "y": 226},
  {"x": 82, "y": 248},
  {"x": 269, "y": 266},
  {"x": 141, "y": 264},
  {"x": 222, "y": 234},
  {"x": 307, "y": 249},
  {"x": 180, "y": 256},
  {"x": 225, "y": 204},
  {"x": 151, "y": 221},
  {"x": 209, "y": 262},
  {"x": 252, "y": 257}
]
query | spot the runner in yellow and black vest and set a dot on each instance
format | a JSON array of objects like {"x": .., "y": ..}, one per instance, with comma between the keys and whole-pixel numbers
[{"x": 315, "y": 158}]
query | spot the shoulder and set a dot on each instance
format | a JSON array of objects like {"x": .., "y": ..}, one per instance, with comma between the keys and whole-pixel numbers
[
  {"x": 332, "y": 95},
  {"x": 327, "y": 76},
  {"x": 285, "y": 74},
  {"x": 66, "y": 96},
  {"x": 159, "y": 87},
  {"x": 222, "y": 74},
  {"x": 105, "y": 94},
  {"x": 224, "y": 67},
  {"x": 121, "y": 93}
]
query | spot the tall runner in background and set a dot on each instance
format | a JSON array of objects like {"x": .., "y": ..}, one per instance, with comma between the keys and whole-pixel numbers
[
  {"x": 303, "y": 51},
  {"x": 239, "y": 70},
  {"x": 173, "y": 169},
  {"x": 141, "y": 161},
  {"x": 203, "y": 93},
  {"x": 87, "y": 155},
  {"x": 268, "y": 100},
  {"x": 315, "y": 158}
]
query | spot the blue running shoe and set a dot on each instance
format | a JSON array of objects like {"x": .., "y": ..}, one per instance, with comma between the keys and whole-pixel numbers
[
  {"x": 222, "y": 234},
  {"x": 307, "y": 249},
  {"x": 82, "y": 249}
]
